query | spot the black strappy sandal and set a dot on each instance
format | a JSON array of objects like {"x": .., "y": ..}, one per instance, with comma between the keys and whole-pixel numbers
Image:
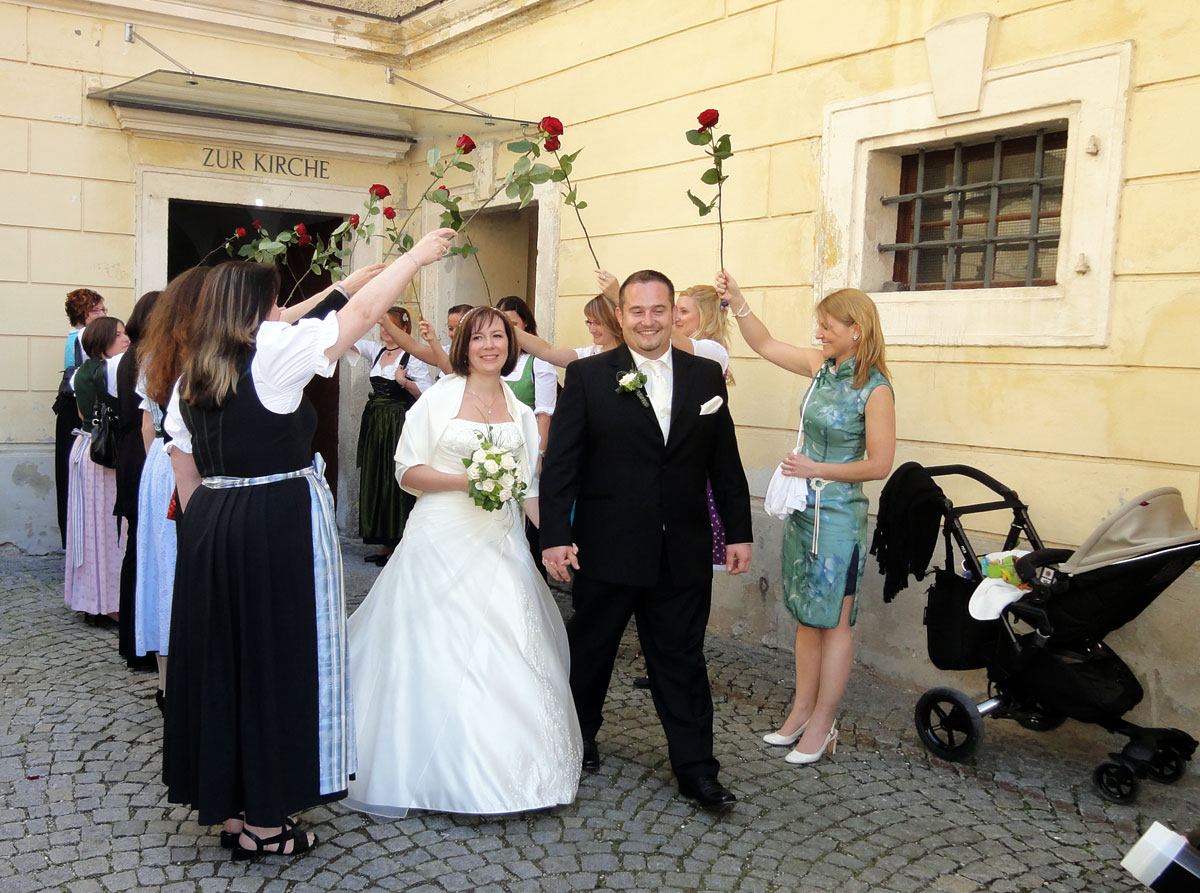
[
  {"x": 299, "y": 840},
  {"x": 229, "y": 838}
]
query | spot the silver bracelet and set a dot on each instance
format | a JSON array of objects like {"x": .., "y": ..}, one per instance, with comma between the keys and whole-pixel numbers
[
  {"x": 416, "y": 266},
  {"x": 746, "y": 311}
]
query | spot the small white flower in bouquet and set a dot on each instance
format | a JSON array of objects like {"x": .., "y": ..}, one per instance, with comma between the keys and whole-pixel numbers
[{"x": 491, "y": 477}]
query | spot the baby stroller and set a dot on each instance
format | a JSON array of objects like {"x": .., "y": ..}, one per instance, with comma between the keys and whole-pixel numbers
[{"x": 1060, "y": 668}]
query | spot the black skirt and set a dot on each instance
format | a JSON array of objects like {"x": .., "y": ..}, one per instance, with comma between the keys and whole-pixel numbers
[{"x": 382, "y": 508}]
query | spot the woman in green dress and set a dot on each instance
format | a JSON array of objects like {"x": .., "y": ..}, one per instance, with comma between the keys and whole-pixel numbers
[{"x": 849, "y": 436}]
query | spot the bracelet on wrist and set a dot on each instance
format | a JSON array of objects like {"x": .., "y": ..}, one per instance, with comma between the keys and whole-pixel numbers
[{"x": 744, "y": 312}]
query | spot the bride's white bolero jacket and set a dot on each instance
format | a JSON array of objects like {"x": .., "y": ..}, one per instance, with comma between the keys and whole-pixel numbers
[{"x": 429, "y": 416}]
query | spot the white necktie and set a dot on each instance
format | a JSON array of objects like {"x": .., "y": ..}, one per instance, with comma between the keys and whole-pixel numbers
[{"x": 660, "y": 395}]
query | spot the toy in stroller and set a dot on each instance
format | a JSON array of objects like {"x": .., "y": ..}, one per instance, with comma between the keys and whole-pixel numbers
[{"x": 1061, "y": 668}]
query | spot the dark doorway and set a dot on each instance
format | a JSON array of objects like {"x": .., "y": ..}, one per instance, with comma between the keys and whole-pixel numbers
[{"x": 196, "y": 232}]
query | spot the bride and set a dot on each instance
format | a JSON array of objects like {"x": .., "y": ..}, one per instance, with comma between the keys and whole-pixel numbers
[{"x": 458, "y": 656}]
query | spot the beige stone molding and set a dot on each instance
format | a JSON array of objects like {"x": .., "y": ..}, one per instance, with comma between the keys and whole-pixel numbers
[
  {"x": 957, "y": 50},
  {"x": 460, "y": 23},
  {"x": 177, "y": 127},
  {"x": 281, "y": 23}
]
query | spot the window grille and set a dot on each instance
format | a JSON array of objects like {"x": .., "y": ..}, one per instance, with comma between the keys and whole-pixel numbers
[{"x": 985, "y": 215}]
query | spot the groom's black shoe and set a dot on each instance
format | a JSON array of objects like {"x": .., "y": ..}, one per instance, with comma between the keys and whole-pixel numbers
[
  {"x": 591, "y": 755},
  {"x": 708, "y": 792}
]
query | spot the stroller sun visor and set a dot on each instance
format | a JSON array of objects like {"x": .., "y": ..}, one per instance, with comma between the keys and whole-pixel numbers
[{"x": 1152, "y": 522}]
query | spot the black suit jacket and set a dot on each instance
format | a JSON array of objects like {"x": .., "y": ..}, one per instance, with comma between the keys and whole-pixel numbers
[{"x": 631, "y": 492}]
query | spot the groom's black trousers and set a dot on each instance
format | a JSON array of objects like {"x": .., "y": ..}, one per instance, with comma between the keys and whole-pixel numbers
[{"x": 670, "y": 624}]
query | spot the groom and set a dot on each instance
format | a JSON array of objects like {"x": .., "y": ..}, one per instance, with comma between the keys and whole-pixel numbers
[{"x": 637, "y": 433}]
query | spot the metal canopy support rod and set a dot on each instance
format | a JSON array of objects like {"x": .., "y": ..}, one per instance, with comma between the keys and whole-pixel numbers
[
  {"x": 390, "y": 76},
  {"x": 131, "y": 36}
]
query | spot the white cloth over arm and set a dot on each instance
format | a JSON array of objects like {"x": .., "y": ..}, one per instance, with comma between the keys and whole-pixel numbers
[
  {"x": 427, "y": 420},
  {"x": 288, "y": 356}
]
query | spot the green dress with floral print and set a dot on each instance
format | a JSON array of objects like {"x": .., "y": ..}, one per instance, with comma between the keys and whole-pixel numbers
[{"x": 820, "y": 572}]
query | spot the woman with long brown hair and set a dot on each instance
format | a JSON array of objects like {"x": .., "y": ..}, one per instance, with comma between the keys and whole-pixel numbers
[
  {"x": 847, "y": 436},
  {"x": 160, "y": 358},
  {"x": 257, "y": 722}
]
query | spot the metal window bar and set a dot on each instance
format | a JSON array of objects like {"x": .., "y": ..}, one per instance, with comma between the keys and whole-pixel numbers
[
  {"x": 969, "y": 187},
  {"x": 914, "y": 254},
  {"x": 1035, "y": 206},
  {"x": 957, "y": 190},
  {"x": 989, "y": 257},
  {"x": 955, "y": 202}
]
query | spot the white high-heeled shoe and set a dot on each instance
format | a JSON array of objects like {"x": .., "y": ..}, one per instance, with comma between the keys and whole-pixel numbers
[
  {"x": 796, "y": 756},
  {"x": 785, "y": 740}
]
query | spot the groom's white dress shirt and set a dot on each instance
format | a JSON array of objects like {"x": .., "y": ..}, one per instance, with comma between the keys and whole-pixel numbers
[{"x": 660, "y": 377}]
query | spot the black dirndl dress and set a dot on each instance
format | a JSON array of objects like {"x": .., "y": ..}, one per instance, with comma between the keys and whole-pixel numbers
[
  {"x": 257, "y": 719},
  {"x": 382, "y": 505}
]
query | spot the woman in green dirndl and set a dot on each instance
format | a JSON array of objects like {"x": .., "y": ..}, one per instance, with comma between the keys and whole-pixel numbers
[
  {"x": 397, "y": 380},
  {"x": 848, "y": 420}
]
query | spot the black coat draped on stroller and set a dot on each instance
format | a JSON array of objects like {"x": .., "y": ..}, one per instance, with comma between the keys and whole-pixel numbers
[{"x": 1040, "y": 633}]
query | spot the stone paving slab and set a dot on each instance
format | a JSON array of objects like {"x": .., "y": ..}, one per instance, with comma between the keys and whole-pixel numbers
[{"x": 82, "y": 808}]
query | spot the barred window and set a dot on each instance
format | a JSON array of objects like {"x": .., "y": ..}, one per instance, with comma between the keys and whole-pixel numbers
[{"x": 980, "y": 215}]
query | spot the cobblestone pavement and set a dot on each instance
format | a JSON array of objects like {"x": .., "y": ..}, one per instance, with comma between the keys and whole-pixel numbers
[{"x": 82, "y": 808}]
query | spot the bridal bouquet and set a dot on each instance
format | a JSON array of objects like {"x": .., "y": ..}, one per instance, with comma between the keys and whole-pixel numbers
[{"x": 492, "y": 475}]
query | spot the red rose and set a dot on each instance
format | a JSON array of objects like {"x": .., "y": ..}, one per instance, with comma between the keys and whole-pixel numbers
[
  {"x": 240, "y": 232},
  {"x": 389, "y": 212},
  {"x": 445, "y": 192},
  {"x": 256, "y": 224},
  {"x": 466, "y": 144},
  {"x": 552, "y": 144},
  {"x": 379, "y": 191},
  {"x": 304, "y": 239},
  {"x": 550, "y": 126},
  {"x": 301, "y": 229},
  {"x": 354, "y": 221},
  {"x": 708, "y": 118}
]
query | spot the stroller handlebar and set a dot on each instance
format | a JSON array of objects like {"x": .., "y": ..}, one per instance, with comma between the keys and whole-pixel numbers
[{"x": 1009, "y": 495}]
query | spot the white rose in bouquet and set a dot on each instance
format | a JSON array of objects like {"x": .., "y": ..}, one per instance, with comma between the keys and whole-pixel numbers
[
  {"x": 491, "y": 466},
  {"x": 473, "y": 473},
  {"x": 507, "y": 462},
  {"x": 487, "y": 486},
  {"x": 505, "y": 495},
  {"x": 479, "y": 456},
  {"x": 507, "y": 481}
]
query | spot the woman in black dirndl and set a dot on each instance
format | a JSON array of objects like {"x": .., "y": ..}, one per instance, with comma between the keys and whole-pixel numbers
[{"x": 258, "y": 725}]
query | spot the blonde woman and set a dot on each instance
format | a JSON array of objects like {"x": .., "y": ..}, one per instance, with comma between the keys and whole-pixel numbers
[{"x": 849, "y": 423}]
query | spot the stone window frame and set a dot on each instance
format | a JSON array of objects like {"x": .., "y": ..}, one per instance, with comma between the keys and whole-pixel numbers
[{"x": 864, "y": 140}]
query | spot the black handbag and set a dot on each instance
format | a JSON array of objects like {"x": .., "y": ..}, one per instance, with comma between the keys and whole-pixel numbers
[
  {"x": 64, "y": 401},
  {"x": 105, "y": 431},
  {"x": 105, "y": 434}
]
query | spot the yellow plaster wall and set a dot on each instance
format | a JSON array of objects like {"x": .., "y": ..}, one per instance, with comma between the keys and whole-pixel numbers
[{"x": 1074, "y": 430}]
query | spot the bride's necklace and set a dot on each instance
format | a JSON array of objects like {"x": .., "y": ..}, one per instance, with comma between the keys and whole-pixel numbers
[{"x": 485, "y": 409}]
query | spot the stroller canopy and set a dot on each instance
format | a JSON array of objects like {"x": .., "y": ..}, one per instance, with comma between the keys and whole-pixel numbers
[{"x": 1154, "y": 521}]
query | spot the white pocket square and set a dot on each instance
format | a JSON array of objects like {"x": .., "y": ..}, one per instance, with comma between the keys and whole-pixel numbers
[{"x": 708, "y": 407}]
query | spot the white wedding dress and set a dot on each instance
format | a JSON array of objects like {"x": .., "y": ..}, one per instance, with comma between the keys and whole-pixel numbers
[{"x": 459, "y": 663}]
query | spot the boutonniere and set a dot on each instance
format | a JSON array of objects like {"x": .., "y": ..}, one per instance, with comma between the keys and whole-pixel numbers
[{"x": 633, "y": 382}]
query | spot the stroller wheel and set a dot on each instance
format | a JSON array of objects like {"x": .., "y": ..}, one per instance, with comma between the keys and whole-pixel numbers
[
  {"x": 1115, "y": 782},
  {"x": 1037, "y": 721},
  {"x": 1167, "y": 766},
  {"x": 948, "y": 723}
]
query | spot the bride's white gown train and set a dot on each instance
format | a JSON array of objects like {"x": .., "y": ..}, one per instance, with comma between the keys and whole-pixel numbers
[{"x": 459, "y": 663}]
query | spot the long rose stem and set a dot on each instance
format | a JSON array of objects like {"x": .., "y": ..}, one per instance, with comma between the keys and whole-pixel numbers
[
  {"x": 436, "y": 177},
  {"x": 482, "y": 275},
  {"x": 720, "y": 224},
  {"x": 578, "y": 216}
]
